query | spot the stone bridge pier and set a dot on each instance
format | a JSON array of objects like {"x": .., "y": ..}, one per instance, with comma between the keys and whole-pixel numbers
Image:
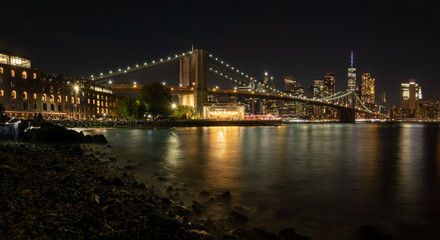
[{"x": 193, "y": 74}]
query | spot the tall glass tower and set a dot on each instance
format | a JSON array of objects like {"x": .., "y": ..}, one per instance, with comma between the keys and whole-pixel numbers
[{"x": 351, "y": 75}]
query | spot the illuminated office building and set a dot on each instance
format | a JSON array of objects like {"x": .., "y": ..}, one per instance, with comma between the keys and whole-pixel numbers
[
  {"x": 318, "y": 87},
  {"x": 411, "y": 94},
  {"x": 368, "y": 94},
  {"x": 329, "y": 84},
  {"x": 351, "y": 75}
]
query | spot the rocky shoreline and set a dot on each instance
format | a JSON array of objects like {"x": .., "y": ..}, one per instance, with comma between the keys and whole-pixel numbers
[
  {"x": 69, "y": 189},
  {"x": 161, "y": 123},
  {"x": 64, "y": 191}
]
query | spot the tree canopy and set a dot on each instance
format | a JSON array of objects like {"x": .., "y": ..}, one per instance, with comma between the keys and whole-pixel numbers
[{"x": 156, "y": 99}]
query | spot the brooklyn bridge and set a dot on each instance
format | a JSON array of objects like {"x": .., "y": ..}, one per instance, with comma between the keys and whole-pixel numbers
[{"x": 201, "y": 78}]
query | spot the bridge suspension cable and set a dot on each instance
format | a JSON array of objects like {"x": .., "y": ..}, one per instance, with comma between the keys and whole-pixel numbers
[
  {"x": 246, "y": 76},
  {"x": 362, "y": 103},
  {"x": 136, "y": 67}
]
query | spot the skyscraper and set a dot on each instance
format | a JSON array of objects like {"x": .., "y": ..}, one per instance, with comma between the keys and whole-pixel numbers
[
  {"x": 411, "y": 94},
  {"x": 329, "y": 84},
  {"x": 367, "y": 88},
  {"x": 318, "y": 85},
  {"x": 351, "y": 75}
]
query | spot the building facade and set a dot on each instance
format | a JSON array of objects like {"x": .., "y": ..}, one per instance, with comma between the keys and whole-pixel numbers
[
  {"x": 329, "y": 85},
  {"x": 368, "y": 94},
  {"x": 26, "y": 92},
  {"x": 411, "y": 93}
]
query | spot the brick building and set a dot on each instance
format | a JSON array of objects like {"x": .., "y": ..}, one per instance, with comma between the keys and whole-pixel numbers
[{"x": 25, "y": 92}]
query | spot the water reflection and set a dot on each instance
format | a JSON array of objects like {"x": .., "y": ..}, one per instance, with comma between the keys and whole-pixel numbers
[{"x": 324, "y": 179}]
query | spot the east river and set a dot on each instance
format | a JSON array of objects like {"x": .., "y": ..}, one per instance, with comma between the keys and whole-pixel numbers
[{"x": 325, "y": 180}]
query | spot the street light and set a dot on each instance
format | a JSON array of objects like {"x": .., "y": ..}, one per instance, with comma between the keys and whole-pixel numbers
[{"x": 173, "y": 105}]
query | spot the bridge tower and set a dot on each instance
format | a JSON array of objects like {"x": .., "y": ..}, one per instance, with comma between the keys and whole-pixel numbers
[
  {"x": 348, "y": 115},
  {"x": 193, "y": 74}
]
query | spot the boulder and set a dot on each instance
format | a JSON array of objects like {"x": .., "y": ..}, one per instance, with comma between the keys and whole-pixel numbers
[
  {"x": 290, "y": 234},
  {"x": 368, "y": 232},
  {"x": 261, "y": 234}
]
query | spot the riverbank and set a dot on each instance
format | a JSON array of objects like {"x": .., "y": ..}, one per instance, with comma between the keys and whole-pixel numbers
[
  {"x": 68, "y": 192},
  {"x": 162, "y": 123}
]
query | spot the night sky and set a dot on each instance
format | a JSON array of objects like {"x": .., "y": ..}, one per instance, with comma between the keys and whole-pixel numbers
[{"x": 395, "y": 40}]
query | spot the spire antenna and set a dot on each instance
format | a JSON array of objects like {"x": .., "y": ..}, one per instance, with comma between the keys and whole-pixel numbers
[{"x": 351, "y": 58}]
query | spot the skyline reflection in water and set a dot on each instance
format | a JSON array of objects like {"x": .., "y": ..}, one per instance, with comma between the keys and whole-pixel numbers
[{"x": 325, "y": 180}]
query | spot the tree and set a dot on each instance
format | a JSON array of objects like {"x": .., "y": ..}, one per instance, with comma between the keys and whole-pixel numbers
[
  {"x": 127, "y": 108},
  {"x": 156, "y": 99},
  {"x": 182, "y": 112}
]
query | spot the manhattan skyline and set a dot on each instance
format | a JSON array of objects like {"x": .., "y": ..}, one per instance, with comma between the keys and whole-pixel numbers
[{"x": 395, "y": 42}]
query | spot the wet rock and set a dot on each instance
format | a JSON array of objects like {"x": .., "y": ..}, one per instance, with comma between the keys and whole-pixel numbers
[
  {"x": 368, "y": 232},
  {"x": 166, "y": 201},
  {"x": 240, "y": 234},
  {"x": 237, "y": 220},
  {"x": 225, "y": 197},
  {"x": 204, "y": 195},
  {"x": 129, "y": 167},
  {"x": 117, "y": 182},
  {"x": 99, "y": 138},
  {"x": 198, "y": 208},
  {"x": 112, "y": 159},
  {"x": 260, "y": 234},
  {"x": 88, "y": 139},
  {"x": 162, "y": 179},
  {"x": 76, "y": 150},
  {"x": 290, "y": 234},
  {"x": 242, "y": 210}
]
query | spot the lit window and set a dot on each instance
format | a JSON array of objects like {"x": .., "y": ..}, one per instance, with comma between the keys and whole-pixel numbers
[
  {"x": 78, "y": 100},
  {"x": 67, "y": 99},
  {"x": 93, "y": 101},
  {"x": 12, "y": 73},
  {"x": 97, "y": 103},
  {"x": 52, "y": 98},
  {"x": 24, "y": 75},
  {"x": 34, "y": 76},
  {"x": 2, "y": 93},
  {"x": 24, "y": 95},
  {"x": 59, "y": 98},
  {"x": 72, "y": 100},
  {"x": 44, "y": 97},
  {"x": 13, "y": 94},
  {"x": 35, "y": 96},
  {"x": 1, "y": 70},
  {"x": 88, "y": 101},
  {"x": 83, "y": 94},
  {"x": 51, "y": 89}
]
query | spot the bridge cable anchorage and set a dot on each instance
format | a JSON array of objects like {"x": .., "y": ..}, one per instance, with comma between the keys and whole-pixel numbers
[
  {"x": 242, "y": 73},
  {"x": 111, "y": 73}
]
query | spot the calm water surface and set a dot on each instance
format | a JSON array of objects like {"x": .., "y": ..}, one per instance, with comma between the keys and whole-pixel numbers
[{"x": 326, "y": 180}]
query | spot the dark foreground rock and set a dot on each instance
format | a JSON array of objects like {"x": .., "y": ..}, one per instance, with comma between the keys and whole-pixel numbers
[
  {"x": 52, "y": 133},
  {"x": 60, "y": 192}
]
